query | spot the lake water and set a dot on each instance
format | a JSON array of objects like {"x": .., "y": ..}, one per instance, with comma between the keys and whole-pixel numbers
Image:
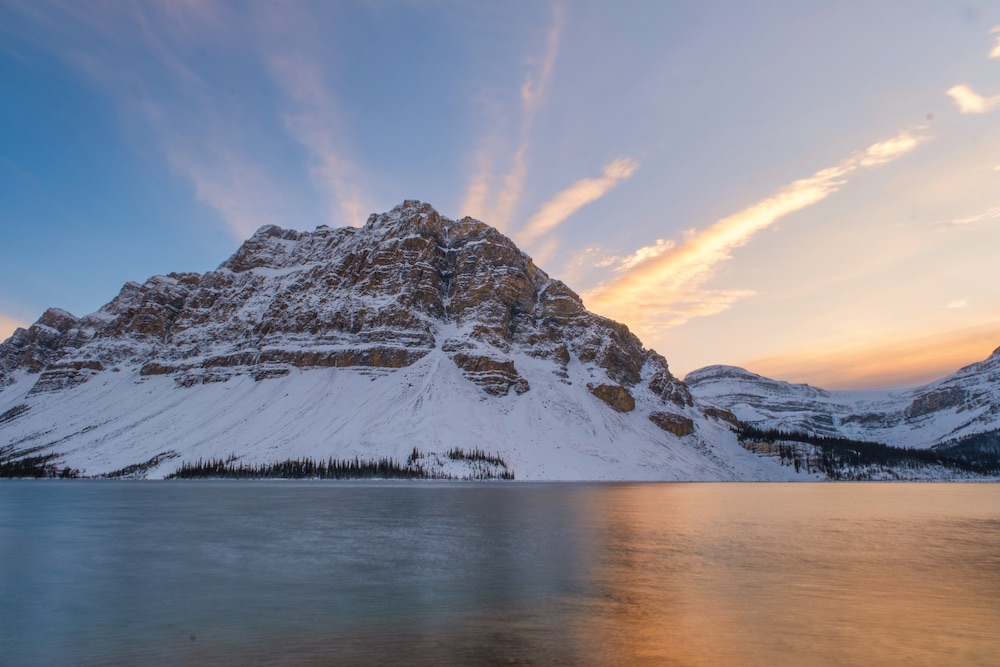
[{"x": 107, "y": 572}]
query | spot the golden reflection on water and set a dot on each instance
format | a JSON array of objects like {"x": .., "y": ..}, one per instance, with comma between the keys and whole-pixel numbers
[{"x": 714, "y": 575}]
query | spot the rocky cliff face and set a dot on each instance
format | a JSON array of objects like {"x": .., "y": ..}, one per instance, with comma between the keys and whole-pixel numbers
[
  {"x": 409, "y": 289},
  {"x": 375, "y": 297}
]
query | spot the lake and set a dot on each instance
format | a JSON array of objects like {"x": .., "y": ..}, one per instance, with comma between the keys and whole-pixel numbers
[{"x": 424, "y": 573}]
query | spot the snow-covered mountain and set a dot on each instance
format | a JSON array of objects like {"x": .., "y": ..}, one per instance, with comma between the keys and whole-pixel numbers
[
  {"x": 412, "y": 331},
  {"x": 961, "y": 408}
]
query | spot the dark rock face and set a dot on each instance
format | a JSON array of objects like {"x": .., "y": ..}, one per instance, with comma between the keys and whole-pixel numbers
[
  {"x": 933, "y": 401},
  {"x": 669, "y": 388},
  {"x": 495, "y": 377},
  {"x": 376, "y": 296},
  {"x": 679, "y": 425},
  {"x": 33, "y": 349},
  {"x": 66, "y": 374},
  {"x": 713, "y": 412},
  {"x": 614, "y": 395}
]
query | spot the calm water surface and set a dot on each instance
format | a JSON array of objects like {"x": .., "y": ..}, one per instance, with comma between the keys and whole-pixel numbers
[{"x": 545, "y": 574}]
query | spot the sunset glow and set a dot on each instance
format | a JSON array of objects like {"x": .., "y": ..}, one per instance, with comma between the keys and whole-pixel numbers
[{"x": 725, "y": 179}]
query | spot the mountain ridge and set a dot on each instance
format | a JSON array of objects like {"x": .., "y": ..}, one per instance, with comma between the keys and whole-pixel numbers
[
  {"x": 453, "y": 308},
  {"x": 408, "y": 338},
  {"x": 958, "y": 406}
]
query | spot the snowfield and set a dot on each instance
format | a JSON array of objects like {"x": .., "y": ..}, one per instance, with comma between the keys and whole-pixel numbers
[{"x": 555, "y": 431}]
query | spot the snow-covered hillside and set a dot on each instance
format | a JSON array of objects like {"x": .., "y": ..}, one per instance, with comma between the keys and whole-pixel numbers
[
  {"x": 946, "y": 412},
  {"x": 412, "y": 331},
  {"x": 554, "y": 431}
]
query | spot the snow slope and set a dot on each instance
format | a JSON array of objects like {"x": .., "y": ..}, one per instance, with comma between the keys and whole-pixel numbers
[
  {"x": 956, "y": 407},
  {"x": 555, "y": 431}
]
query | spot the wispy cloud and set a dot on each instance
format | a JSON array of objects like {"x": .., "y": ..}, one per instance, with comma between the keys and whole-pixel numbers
[
  {"x": 311, "y": 124},
  {"x": 595, "y": 257},
  {"x": 969, "y": 101},
  {"x": 164, "y": 96},
  {"x": 668, "y": 288},
  {"x": 645, "y": 253},
  {"x": 534, "y": 87},
  {"x": 567, "y": 202},
  {"x": 987, "y": 215},
  {"x": 478, "y": 191},
  {"x": 958, "y": 303},
  {"x": 494, "y": 202},
  {"x": 290, "y": 47},
  {"x": 188, "y": 104},
  {"x": 241, "y": 193}
]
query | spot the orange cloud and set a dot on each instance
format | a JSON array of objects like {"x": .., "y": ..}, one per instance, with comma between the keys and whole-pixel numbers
[
  {"x": 642, "y": 254},
  {"x": 572, "y": 199},
  {"x": 969, "y": 101},
  {"x": 914, "y": 360},
  {"x": 667, "y": 288}
]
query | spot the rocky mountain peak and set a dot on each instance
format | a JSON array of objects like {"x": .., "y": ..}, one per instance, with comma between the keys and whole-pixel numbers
[
  {"x": 412, "y": 330},
  {"x": 384, "y": 295}
]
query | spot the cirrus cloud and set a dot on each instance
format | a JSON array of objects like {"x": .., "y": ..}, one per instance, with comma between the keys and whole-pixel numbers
[
  {"x": 493, "y": 202},
  {"x": 572, "y": 199},
  {"x": 666, "y": 289}
]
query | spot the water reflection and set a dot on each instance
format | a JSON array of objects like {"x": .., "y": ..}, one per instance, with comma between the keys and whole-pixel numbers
[
  {"x": 575, "y": 574},
  {"x": 817, "y": 575}
]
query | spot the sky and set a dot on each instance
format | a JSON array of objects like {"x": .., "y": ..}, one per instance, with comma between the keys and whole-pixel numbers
[{"x": 807, "y": 190}]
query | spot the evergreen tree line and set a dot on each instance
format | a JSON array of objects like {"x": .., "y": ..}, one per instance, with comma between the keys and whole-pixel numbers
[
  {"x": 459, "y": 454},
  {"x": 981, "y": 450},
  {"x": 36, "y": 467},
  {"x": 844, "y": 458},
  {"x": 309, "y": 468},
  {"x": 302, "y": 468},
  {"x": 484, "y": 466}
]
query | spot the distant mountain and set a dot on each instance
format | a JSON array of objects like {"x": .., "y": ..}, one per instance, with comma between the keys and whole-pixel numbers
[
  {"x": 413, "y": 331},
  {"x": 957, "y": 416}
]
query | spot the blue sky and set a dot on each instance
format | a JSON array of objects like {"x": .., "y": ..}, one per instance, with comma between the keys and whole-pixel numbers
[{"x": 811, "y": 190}]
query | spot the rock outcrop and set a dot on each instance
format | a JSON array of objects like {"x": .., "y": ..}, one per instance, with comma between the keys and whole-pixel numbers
[
  {"x": 679, "y": 425},
  {"x": 615, "y": 396}
]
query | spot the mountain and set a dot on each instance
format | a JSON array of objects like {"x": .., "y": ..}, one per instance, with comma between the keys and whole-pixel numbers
[
  {"x": 412, "y": 331},
  {"x": 959, "y": 406},
  {"x": 958, "y": 415}
]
